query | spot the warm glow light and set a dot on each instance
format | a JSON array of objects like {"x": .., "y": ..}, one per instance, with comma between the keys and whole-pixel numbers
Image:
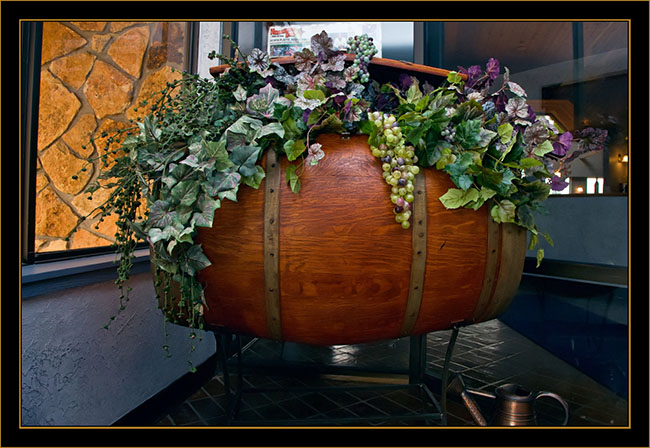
[{"x": 580, "y": 190}]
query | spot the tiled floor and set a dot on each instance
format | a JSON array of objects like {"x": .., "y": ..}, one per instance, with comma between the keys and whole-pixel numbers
[{"x": 486, "y": 355}]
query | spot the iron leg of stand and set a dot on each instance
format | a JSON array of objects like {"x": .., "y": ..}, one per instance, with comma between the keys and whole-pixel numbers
[{"x": 445, "y": 374}]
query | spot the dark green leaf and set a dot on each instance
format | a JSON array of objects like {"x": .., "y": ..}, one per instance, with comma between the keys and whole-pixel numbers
[
  {"x": 160, "y": 214},
  {"x": 293, "y": 149},
  {"x": 196, "y": 259},
  {"x": 245, "y": 159},
  {"x": 292, "y": 179},
  {"x": 222, "y": 181},
  {"x": 204, "y": 216},
  {"x": 468, "y": 133},
  {"x": 217, "y": 150},
  {"x": 256, "y": 179},
  {"x": 185, "y": 192}
]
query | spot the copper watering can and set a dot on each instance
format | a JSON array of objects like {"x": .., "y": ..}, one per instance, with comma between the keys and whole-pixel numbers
[{"x": 514, "y": 405}]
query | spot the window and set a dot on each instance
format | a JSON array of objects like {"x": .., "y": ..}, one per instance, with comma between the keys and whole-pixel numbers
[
  {"x": 92, "y": 77},
  {"x": 576, "y": 73}
]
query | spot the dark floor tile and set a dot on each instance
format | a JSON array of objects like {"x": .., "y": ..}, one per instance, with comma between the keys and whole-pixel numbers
[
  {"x": 389, "y": 406},
  {"x": 253, "y": 399},
  {"x": 165, "y": 421},
  {"x": 319, "y": 401},
  {"x": 338, "y": 413},
  {"x": 406, "y": 399},
  {"x": 207, "y": 408},
  {"x": 340, "y": 398},
  {"x": 487, "y": 354},
  {"x": 184, "y": 415},
  {"x": 298, "y": 408},
  {"x": 363, "y": 409},
  {"x": 273, "y": 412},
  {"x": 214, "y": 386}
]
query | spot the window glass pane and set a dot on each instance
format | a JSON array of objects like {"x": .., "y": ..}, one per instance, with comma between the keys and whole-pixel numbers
[
  {"x": 574, "y": 73},
  {"x": 392, "y": 39},
  {"x": 93, "y": 76}
]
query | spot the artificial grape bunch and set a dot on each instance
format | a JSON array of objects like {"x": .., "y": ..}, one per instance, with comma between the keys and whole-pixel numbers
[
  {"x": 364, "y": 49},
  {"x": 399, "y": 165},
  {"x": 449, "y": 134}
]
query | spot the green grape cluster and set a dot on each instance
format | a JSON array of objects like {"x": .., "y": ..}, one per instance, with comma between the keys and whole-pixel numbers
[
  {"x": 399, "y": 165},
  {"x": 364, "y": 49}
]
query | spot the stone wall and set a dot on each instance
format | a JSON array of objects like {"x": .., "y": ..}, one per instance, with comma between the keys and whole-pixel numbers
[{"x": 93, "y": 76}]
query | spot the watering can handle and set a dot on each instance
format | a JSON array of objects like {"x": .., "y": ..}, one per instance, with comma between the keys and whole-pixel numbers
[{"x": 564, "y": 404}]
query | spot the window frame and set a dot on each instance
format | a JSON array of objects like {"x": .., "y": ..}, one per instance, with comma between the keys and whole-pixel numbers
[{"x": 64, "y": 263}]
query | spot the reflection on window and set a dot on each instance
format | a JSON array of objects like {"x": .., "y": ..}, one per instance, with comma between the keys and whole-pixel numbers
[
  {"x": 287, "y": 38},
  {"x": 575, "y": 74},
  {"x": 394, "y": 40},
  {"x": 93, "y": 75},
  {"x": 595, "y": 185}
]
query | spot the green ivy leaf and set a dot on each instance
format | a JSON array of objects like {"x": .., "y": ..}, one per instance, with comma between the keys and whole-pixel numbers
[
  {"x": 529, "y": 162},
  {"x": 292, "y": 179},
  {"x": 414, "y": 94},
  {"x": 229, "y": 194},
  {"x": 155, "y": 234},
  {"x": 468, "y": 111},
  {"x": 542, "y": 149},
  {"x": 485, "y": 136},
  {"x": 222, "y": 181},
  {"x": 217, "y": 151},
  {"x": 185, "y": 192},
  {"x": 196, "y": 259},
  {"x": 468, "y": 133},
  {"x": 446, "y": 157},
  {"x": 271, "y": 128},
  {"x": 503, "y": 211},
  {"x": 205, "y": 215},
  {"x": 245, "y": 159},
  {"x": 548, "y": 239},
  {"x": 458, "y": 170},
  {"x": 160, "y": 215},
  {"x": 418, "y": 131},
  {"x": 256, "y": 179},
  {"x": 245, "y": 129},
  {"x": 505, "y": 132},
  {"x": 540, "y": 256},
  {"x": 455, "y": 198},
  {"x": 454, "y": 77},
  {"x": 526, "y": 218},
  {"x": 294, "y": 149},
  {"x": 314, "y": 95}
]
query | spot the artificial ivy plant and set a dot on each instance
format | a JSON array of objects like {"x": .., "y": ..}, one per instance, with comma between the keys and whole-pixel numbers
[{"x": 201, "y": 140}]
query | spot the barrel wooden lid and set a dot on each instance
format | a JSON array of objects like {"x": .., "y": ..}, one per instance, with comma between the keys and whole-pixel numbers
[{"x": 380, "y": 62}]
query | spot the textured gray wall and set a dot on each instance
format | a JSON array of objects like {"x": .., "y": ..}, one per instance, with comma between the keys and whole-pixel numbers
[
  {"x": 74, "y": 372},
  {"x": 589, "y": 229}
]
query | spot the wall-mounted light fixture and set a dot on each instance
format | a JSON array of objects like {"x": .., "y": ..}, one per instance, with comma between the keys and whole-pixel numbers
[
  {"x": 580, "y": 189},
  {"x": 623, "y": 158}
]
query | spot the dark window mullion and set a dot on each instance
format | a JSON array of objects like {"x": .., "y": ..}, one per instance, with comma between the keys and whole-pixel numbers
[{"x": 32, "y": 37}]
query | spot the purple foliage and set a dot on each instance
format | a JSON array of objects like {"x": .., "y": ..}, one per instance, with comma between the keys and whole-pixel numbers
[
  {"x": 563, "y": 143},
  {"x": 492, "y": 69}
]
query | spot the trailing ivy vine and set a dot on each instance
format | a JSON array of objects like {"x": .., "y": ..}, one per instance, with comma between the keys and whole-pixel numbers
[{"x": 200, "y": 140}]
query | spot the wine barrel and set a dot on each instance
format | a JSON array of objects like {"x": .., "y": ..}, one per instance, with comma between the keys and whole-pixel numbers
[{"x": 331, "y": 266}]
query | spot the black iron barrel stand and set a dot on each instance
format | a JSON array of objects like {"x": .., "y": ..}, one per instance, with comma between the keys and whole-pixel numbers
[{"x": 420, "y": 382}]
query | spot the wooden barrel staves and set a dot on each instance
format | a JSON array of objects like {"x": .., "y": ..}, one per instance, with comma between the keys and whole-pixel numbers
[{"x": 331, "y": 266}]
